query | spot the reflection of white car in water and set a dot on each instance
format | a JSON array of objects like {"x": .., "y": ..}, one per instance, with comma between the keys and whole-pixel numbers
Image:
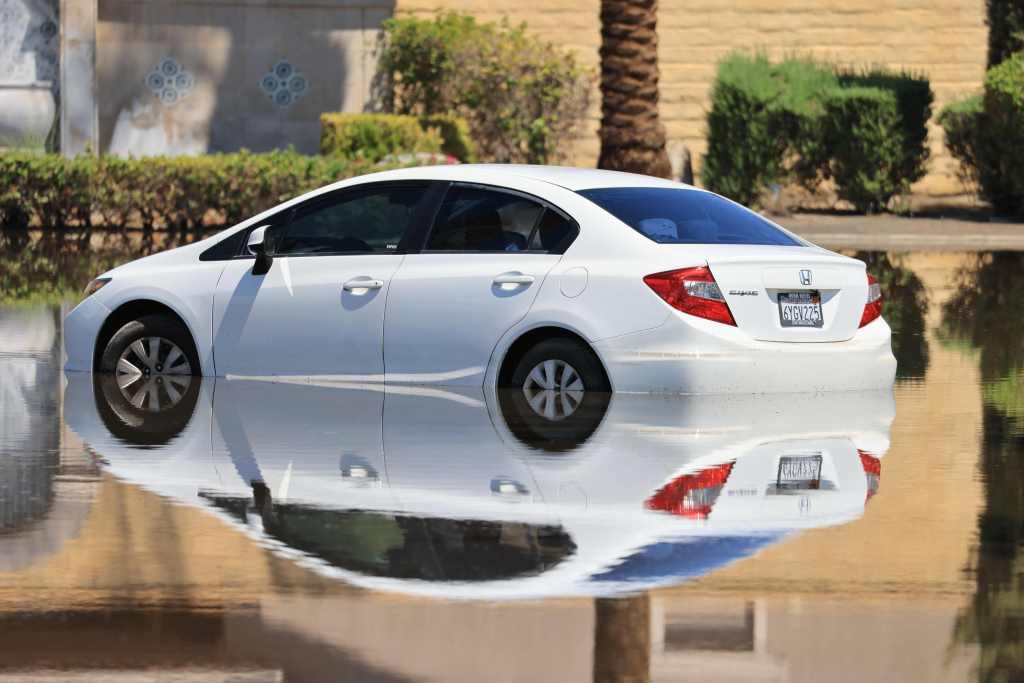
[
  {"x": 473, "y": 495},
  {"x": 500, "y": 275}
]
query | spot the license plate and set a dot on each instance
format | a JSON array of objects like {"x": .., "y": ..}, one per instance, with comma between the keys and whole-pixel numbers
[
  {"x": 799, "y": 472},
  {"x": 800, "y": 309}
]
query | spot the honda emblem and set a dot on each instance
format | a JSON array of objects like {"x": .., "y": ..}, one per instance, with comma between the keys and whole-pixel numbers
[{"x": 805, "y": 278}]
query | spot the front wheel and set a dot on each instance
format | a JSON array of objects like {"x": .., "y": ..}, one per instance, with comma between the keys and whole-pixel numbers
[{"x": 149, "y": 358}]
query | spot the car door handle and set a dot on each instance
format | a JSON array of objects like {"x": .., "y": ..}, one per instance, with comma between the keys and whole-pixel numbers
[
  {"x": 514, "y": 279},
  {"x": 357, "y": 284}
]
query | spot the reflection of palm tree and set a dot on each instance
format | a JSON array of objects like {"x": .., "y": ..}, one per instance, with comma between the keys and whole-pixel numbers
[
  {"x": 622, "y": 640},
  {"x": 986, "y": 313},
  {"x": 906, "y": 302},
  {"x": 632, "y": 137}
]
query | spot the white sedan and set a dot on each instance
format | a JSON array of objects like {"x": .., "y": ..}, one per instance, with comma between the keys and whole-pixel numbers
[{"x": 553, "y": 280}]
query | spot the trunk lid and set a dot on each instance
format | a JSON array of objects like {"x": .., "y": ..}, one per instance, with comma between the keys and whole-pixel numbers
[{"x": 753, "y": 277}]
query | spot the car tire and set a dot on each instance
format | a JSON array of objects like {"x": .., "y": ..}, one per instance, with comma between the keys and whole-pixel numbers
[
  {"x": 157, "y": 325},
  {"x": 543, "y": 419},
  {"x": 575, "y": 354}
]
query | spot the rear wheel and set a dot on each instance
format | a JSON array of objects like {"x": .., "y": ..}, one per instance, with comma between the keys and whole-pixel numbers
[
  {"x": 556, "y": 396},
  {"x": 151, "y": 358}
]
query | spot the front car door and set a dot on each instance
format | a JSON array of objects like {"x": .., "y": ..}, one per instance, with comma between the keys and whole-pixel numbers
[
  {"x": 319, "y": 310},
  {"x": 479, "y": 272}
]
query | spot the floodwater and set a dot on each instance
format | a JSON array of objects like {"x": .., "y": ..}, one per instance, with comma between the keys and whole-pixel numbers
[{"x": 207, "y": 530}]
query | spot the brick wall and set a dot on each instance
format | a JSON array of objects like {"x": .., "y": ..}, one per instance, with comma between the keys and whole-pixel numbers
[{"x": 943, "y": 38}]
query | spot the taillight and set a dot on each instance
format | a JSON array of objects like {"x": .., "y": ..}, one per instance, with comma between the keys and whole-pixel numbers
[
  {"x": 873, "y": 306},
  {"x": 872, "y": 471},
  {"x": 693, "y": 291},
  {"x": 691, "y": 495}
]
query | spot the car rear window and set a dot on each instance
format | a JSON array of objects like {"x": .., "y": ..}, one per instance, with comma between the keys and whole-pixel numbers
[{"x": 677, "y": 216}]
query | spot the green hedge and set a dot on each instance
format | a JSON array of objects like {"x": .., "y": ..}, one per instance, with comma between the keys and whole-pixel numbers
[
  {"x": 174, "y": 192},
  {"x": 986, "y": 135},
  {"x": 375, "y": 137},
  {"x": 860, "y": 136},
  {"x": 802, "y": 121},
  {"x": 760, "y": 112},
  {"x": 523, "y": 99}
]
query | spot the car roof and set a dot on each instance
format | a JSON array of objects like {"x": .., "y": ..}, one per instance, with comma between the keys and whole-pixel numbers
[{"x": 568, "y": 177}]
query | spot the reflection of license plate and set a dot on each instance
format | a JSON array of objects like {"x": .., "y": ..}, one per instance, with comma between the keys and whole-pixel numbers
[
  {"x": 799, "y": 472},
  {"x": 800, "y": 309}
]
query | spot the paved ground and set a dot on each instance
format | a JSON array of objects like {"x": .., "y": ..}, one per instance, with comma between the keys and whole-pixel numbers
[{"x": 895, "y": 233}]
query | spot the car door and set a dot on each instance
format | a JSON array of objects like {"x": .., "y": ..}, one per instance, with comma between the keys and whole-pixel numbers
[
  {"x": 319, "y": 310},
  {"x": 479, "y": 272}
]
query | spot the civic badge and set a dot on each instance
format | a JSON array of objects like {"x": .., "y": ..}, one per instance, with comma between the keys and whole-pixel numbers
[{"x": 805, "y": 278}]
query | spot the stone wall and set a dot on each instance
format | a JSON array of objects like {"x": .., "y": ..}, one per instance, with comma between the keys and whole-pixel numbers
[
  {"x": 946, "y": 39},
  {"x": 184, "y": 76}
]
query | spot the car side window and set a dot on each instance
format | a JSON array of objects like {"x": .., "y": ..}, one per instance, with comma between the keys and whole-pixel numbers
[
  {"x": 475, "y": 219},
  {"x": 371, "y": 220}
]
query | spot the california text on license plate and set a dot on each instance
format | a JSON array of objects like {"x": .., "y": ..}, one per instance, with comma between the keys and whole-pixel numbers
[
  {"x": 799, "y": 472},
  {"x": 800, "y": 309}
]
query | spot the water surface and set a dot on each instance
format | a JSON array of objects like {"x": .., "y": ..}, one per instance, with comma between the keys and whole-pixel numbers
[{"x": 252, "y": 531}]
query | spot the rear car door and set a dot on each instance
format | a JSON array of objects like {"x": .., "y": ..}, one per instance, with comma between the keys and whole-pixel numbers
[
  {"x": 479, "y": 272},
  {"x": 319, "y": 310}
]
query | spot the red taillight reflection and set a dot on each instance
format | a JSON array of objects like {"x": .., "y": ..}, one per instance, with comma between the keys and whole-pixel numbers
[
  {"x": 873, "y": 306},
  {"x": 872, "y": 470},
  {"x": 693, "y": 291},
  {"x": 691, "y": 495}
]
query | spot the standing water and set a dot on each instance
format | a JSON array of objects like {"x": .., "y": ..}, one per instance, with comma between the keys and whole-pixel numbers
[{"x": 218, "y": 530}]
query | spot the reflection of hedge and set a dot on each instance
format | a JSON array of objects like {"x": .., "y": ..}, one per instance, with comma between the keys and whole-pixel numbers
[
  {"x": 772, "y": 123},
  {"x": 906, "y": 304},
  {"x": 987, "y": 312},
  {"x": 178, "y": 192}
]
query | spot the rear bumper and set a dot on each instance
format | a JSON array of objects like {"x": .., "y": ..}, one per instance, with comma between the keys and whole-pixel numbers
[
  {"x": 81, "y": 327},
  {"x": 689, "y": 355}
]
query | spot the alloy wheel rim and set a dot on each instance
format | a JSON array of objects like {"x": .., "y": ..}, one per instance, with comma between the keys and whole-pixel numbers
[
  {"x": 153, "y": 373},
  {"x": 554, "y": 389}
]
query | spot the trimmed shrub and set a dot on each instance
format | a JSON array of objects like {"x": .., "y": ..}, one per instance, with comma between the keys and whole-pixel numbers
[
  {"x": 456, "y": 140},
  {"x": 375, "y": 136},
  {"x": 986, "y": 135},
  {"x": 173, "y": 192},
  {"x": 914, "y": 99},
  {"x": 760, "y": 113},
  {"x": 797, "y": 121},
  {"x": 522, "y": 98},
  {"x": 861, "y": 133}
]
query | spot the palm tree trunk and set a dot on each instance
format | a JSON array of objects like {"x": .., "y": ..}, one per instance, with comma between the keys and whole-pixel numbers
[
  {"x": 622, "y": 640},
  {"x": 632, "y": 137}
]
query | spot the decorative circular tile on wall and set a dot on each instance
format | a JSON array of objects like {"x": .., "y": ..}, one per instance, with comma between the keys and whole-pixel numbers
[
  {"x": 169, "y": 81},
  {"x": 284, "y": 84}
]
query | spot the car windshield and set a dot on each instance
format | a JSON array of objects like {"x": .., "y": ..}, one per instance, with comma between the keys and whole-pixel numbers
[{"x": 679, "y": 216}]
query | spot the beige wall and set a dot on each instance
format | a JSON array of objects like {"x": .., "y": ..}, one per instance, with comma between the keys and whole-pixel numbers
[{"x": 946, "y": 39}]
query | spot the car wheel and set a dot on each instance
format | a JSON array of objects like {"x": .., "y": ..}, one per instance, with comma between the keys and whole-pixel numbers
[
  {"x": 557, "y": 397},
  {"x": 149, "y": 358},
  {"x": 149, "y": 425}
]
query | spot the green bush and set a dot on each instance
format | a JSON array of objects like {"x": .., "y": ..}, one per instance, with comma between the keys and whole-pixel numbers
[
  {"x": 456, "y": 140},
  {"x": 759, "y": 113},
  {"x": 522, "y": 98},
  {"x": 861, "y": 133},
  {"x": 792, "y": 121},
  {"x": 174, "y": 192},
  {"x": 375, "y": 136},
  {"x": 986, "y": 135}
]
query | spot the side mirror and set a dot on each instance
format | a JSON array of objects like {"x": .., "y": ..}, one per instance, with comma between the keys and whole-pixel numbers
[{"x": 258, "y": 247}]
